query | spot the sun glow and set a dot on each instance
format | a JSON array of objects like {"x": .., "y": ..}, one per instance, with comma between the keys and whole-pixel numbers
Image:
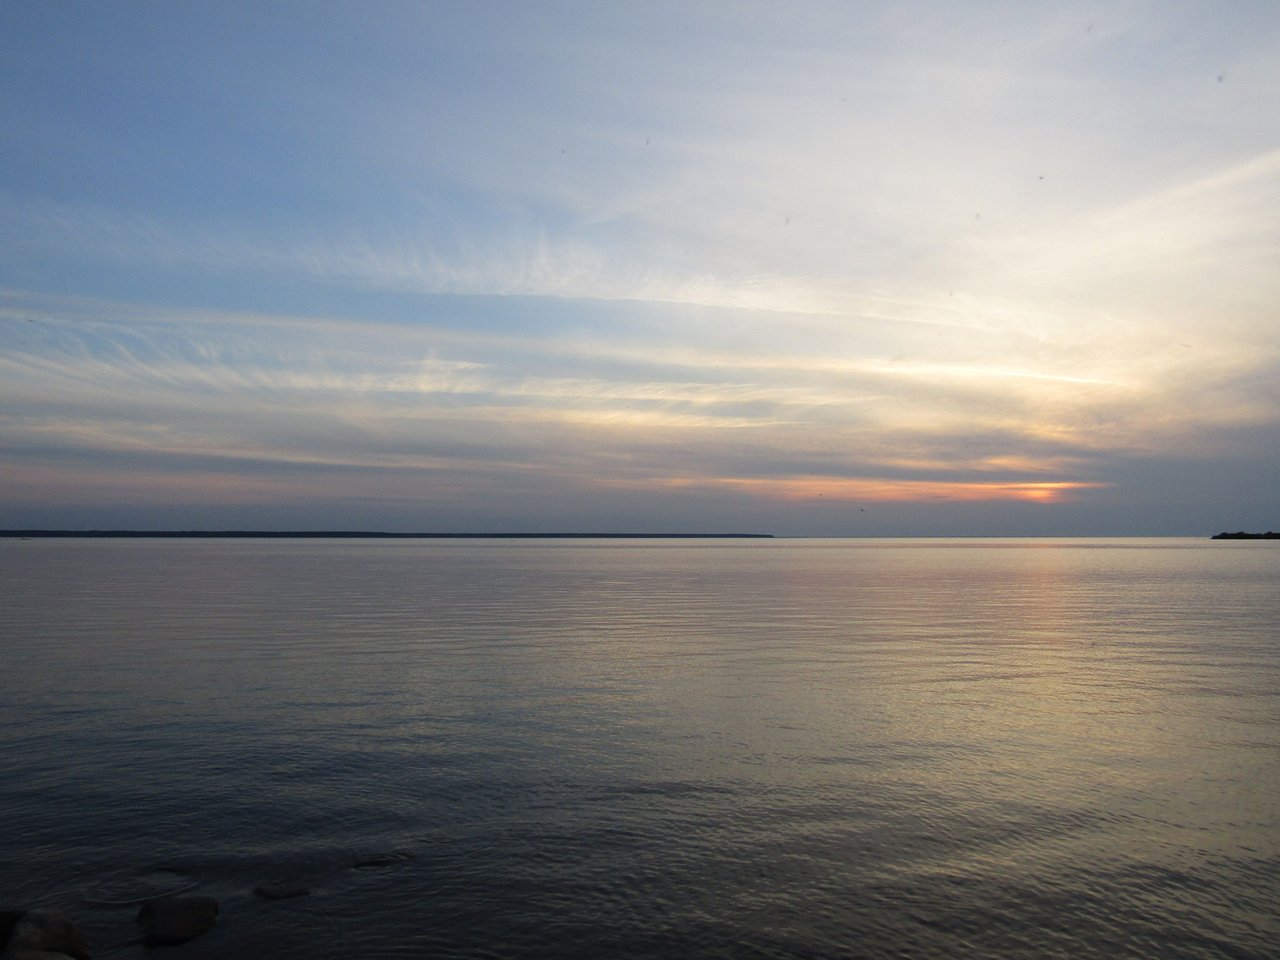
[{"x": 891, "y": 490}]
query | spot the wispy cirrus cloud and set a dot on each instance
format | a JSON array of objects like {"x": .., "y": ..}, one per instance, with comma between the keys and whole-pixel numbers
[{"x": 337, "y": 392}]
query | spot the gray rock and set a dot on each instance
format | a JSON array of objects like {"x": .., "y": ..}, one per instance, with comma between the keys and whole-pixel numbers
[
  {"x": 167, "y": 921},
  {"x": 48, "y": 932}
]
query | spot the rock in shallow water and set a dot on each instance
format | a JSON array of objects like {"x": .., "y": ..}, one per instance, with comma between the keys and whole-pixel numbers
[
  {"x": 280, "y": 890},
  {"x": 47, "y": 934},
  {"x": 167, "y": 921},
  {"x": 383, "y": 861},
  {"x": 133, "y": 886}
]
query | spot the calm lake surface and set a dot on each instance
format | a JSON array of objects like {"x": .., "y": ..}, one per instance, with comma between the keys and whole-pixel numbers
[{"x": 618, "y": 749}]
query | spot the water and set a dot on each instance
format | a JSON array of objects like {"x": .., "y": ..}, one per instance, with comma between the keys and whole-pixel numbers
[{"x": 756, "y": 749}]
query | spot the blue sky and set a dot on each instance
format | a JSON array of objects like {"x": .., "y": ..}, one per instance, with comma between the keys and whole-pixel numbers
[{"x": 847, "y": 268}]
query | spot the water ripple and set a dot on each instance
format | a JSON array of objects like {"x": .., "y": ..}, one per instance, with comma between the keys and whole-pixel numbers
[{"x": 776, "y": 750}]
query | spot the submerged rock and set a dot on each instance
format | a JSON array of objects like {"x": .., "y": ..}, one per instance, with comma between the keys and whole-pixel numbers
[
  {"x": 171, "y": 920},
  {"x": 383, "y": 861},
  {"x": 132, "y": 886},
  {"x": 47, "y": 934},
  {"x": 280, "y": 890}
]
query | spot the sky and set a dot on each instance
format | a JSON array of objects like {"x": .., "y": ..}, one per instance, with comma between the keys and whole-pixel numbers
[{"x": 815, "y": 268}]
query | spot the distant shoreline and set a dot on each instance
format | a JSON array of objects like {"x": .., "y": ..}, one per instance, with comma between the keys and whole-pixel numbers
[
  {"x": 369, "y": 535},
  {"x": 1241, "y": 535}
]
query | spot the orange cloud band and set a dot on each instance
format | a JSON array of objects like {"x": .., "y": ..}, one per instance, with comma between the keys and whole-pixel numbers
[{"x": 879, "y": 490}]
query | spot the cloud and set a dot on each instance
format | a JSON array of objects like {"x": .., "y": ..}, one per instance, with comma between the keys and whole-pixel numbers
[
  {"x": 100, "y": 379},
  {"x": 881, "y": 490},
  {"x": 928, "y": 254}
]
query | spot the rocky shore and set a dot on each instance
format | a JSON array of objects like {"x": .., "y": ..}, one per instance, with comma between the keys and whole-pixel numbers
[
  {"x": 48, "y": 933},
  {"x": 138, "y": 909},
  {"x": 44, "y": 934}
]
